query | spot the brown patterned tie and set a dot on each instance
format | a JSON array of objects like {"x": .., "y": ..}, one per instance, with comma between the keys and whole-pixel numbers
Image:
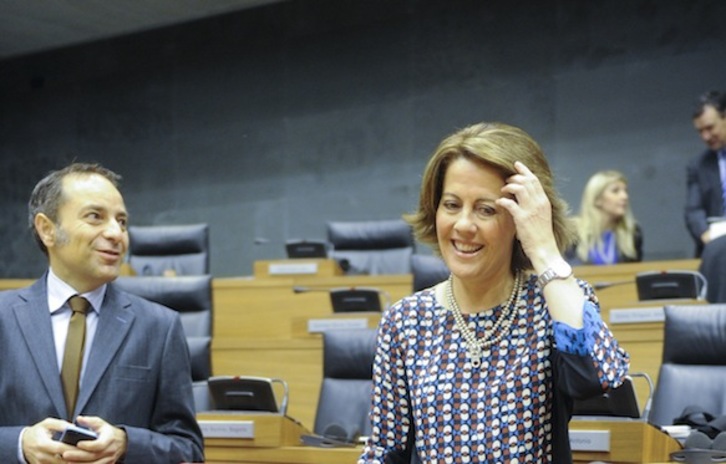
[{"x": 73, "y": 355}]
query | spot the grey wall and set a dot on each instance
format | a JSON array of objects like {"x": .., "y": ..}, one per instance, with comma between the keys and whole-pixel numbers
[{"x": 269, "y": 122}]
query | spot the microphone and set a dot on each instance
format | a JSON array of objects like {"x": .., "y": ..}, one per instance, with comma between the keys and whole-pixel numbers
[
  {"x": 339, "y": 433},
  {"x": 344, "y": 265},
  {"x": 352, "y": 299},
  {"x": 604, "y": 285},
  {"x": 651, "y": 388},
  {"x": 334, "y": 435}
]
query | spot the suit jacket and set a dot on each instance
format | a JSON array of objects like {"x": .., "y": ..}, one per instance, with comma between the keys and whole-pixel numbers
[
  {"x": 138, "y": 375},
  {"x": 704, "y": 195}
]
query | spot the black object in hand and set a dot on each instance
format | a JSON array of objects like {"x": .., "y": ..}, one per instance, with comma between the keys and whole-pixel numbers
[{"x": 73, "y": 434}]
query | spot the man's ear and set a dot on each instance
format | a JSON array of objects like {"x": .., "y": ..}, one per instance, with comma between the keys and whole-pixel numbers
[{"x": 45, "y": 229}]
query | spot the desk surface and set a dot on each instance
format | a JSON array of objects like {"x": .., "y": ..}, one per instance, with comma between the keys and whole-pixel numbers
[{"x": 630, "y": 442}]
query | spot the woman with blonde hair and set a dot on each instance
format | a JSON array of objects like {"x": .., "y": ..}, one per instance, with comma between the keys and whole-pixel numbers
[{"x": 607, "y": 230}]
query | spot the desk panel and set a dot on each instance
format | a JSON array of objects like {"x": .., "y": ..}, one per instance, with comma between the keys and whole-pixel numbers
[
  {"x": 629, "y": 442},
  {"x": 644, "y": 340},
  {"x": 265, "y": 308},
  {"x": 261, "y": 329}
]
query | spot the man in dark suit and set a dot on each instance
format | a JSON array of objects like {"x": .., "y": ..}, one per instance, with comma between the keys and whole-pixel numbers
[
  {"x": 706, "y": 174},
  {"x": 135, "y": 389}
]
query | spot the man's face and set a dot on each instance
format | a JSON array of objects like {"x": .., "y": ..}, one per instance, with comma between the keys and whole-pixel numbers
[
  {"x": 88, "y": 244},
  {"x": 711, "y": 126}
]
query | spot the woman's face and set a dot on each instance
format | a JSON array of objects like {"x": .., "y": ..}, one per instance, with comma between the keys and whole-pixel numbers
[
  {"x": 613, "y": 201},
  {"x": 475, "y": 236}
]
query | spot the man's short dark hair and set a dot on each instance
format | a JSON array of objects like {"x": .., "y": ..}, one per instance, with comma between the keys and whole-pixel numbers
[
  {"x": 713, "y": 98},
  {"x": 47, "y": 196}
]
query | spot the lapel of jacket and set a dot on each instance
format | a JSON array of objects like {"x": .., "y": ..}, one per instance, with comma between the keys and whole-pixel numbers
[
  {"x": 114, "y": 322},
  {"x": 33, "y": 316}
]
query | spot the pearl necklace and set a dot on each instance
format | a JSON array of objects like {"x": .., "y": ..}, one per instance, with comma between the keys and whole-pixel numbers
[{"x": 501, "y": 325}]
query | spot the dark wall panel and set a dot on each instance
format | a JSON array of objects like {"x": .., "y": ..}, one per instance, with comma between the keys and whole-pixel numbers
[{"x": 269, "y": 122}]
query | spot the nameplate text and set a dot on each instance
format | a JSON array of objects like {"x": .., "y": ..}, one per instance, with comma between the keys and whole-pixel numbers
[
  {"x": 292, "y": 268},
  {"x": 637, "y": 315},
  {"x": 321, "y": 325},
  {"x": 590, "y": 440},
  {"x": 227, "y": 429}
]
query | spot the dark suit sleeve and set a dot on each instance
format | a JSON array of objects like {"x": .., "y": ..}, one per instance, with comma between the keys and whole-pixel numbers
[
  {"x": 174, "y": 435},
  {"x": 696, "y": 212}
]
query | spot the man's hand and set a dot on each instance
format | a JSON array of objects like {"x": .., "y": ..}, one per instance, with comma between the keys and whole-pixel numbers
[
  {"x": 109, "y": 447},
  {"x": 38, "y": 446}
]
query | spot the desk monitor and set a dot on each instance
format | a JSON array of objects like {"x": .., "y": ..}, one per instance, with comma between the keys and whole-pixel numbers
[
  {"x": 617, "y": 402},
  {"x": 304, "y": 249},
  {"x": 667, "y": 284},
  {"x": 231, "y": 393},
  {"x": 347, "y": 300}
]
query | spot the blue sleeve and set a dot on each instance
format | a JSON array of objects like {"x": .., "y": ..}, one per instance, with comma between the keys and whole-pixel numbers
[{"x": 579, "y": 341}]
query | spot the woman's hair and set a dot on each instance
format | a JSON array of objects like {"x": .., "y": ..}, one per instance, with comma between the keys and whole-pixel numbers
[
  {"x": 497, "y": 146},
  {"x": 591, "y": 222}
]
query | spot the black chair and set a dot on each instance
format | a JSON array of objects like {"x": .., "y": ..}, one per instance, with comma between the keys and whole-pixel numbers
[
  {"x": 693, "y": 370},
  {"x": 191, "y": 296},
  {"x": 713, "y": 268},
  {"x": 372, "y": 247},
  {"x": 427, "y": 271},
  {"x": 169, "y": 249},
  {"x": 345, "y": 394}
]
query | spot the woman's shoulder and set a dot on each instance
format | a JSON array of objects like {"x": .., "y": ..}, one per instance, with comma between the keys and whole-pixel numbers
[{"x": 413, "y": 307}]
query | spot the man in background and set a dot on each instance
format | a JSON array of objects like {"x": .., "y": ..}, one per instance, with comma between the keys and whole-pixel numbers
[
  {"x": 706, "y": 174},
  {"x": 76, "y": 349}
]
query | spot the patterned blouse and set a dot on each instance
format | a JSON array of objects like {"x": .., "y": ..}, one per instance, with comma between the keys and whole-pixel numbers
[{"x": 500, "y": 412}]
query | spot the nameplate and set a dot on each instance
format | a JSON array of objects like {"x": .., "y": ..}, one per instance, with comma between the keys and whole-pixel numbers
[
  {"x": 590, "y": 440},
  {"x": 292, "y": 268},
  {"x": 321, "y": 325},
  {"x": 636, "y": 315},
  {"x": 227, "y": 429}
]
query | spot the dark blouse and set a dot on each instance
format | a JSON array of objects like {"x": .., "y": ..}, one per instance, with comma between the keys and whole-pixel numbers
[{"x": 514, "y": 408}]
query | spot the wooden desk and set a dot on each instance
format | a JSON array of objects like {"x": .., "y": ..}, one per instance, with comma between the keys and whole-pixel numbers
[
  {"x": 621, "y": 291},
  {"x": 275, "y": 439},
  {"x": 629, "y": 442},
  {"x": 644, "y": 340},
  {"x": 261, "y": 327}
]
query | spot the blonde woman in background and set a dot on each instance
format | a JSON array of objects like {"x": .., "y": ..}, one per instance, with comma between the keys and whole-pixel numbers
[{"x": 607, "y": 230}]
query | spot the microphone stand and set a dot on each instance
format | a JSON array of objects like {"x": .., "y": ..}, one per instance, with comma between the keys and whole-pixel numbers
[
  {"x": 604, "y": 285},
  {"x": 386, "y": 296}
]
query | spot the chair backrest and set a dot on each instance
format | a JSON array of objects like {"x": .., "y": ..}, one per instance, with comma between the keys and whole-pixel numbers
[
  {"x": 693, "y": 370},
  {"x": 182, "y": 249},
  {"x": 191, "y": 296},
  {"x": 372, "y": 247},
  {"x": 345, "y": 394},
  {"x": 713, "y": 264},
  {"x": 427, "y": 271}
]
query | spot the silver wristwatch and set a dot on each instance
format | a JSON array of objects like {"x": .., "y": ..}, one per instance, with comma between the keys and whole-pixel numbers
[{"x": 559, "y": 270}]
